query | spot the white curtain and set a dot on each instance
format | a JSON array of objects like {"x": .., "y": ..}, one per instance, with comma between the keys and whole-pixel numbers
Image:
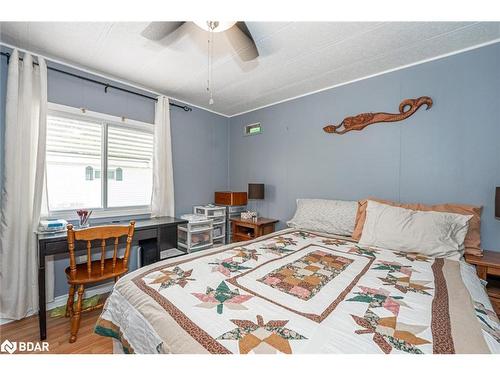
[
  {"x": 23, "y": 185},
  {"x": 162, "y": 199}
]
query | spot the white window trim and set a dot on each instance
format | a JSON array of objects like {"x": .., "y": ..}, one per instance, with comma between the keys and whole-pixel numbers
[{"x": 79, "y": 114}]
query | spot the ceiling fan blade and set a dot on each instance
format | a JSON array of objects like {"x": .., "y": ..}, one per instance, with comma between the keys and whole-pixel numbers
[
  {"x": 243, "y": 27},
  {"x": 159, "y": 30},
  {"x": 241, "y": 40}
]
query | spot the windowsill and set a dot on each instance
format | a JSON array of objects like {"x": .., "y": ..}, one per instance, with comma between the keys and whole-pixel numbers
[{"x": 100, "y": 215}]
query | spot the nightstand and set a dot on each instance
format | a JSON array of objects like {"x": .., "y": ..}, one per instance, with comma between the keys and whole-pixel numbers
[
  {"x": 248, "y": 229},
  {"x": 488, "y": 268}
]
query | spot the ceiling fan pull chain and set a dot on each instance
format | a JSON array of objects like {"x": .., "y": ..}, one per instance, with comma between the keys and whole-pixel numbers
[{"x": 210, "y": 65}]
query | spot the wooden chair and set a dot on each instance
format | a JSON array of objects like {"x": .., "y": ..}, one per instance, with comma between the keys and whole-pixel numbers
[{"x": 79, "y": 275}]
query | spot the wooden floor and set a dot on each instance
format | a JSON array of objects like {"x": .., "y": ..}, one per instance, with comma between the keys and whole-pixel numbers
[{"x": 58, "y": 334}]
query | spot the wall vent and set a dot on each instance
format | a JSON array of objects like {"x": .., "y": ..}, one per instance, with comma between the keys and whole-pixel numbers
[{"x": 253, "y": 129}]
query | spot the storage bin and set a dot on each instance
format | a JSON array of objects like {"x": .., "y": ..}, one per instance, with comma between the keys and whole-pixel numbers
[
  {"x": 218, "y": 216},
  {"x": 195, "y": 236},
  {"x": 210, "y": 211}
]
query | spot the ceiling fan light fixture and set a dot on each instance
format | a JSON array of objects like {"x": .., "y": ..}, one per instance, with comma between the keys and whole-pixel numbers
[
  {"x": 237, "y": 34},
  {"x": 215, "y": 26}
]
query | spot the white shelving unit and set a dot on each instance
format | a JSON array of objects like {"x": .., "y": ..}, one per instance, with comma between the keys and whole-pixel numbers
[
  {"x": 195, "y": 235},
  {"x": 232, "y": 212},
  {"x": 218, "y": 216}
]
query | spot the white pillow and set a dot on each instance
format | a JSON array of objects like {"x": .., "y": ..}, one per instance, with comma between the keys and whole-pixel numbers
[
  {"x": 437, "y": 234},
  {"x": 325, "y": 215}
]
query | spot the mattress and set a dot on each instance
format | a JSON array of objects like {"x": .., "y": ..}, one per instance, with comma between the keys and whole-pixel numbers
[{"x": 296, "y": 291}]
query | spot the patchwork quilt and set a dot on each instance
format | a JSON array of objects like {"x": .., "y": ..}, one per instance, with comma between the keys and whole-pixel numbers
[{"x": 301, "y": 292}]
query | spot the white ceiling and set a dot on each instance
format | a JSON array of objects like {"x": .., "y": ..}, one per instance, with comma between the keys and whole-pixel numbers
[{"x": 295, "y": 58}]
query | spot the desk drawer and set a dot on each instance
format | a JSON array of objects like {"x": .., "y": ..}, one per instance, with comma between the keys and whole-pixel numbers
[{"x": 141, "y": 234}]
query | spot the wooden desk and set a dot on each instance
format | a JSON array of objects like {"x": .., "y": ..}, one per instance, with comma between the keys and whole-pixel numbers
[
  {"x": 488, "y": 268},
  {"x": 248, "y": 229},
  {"x": 153, "y": 235}
]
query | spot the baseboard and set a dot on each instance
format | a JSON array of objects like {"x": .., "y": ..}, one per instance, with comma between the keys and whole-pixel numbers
[{"x": 61, "y": 300}]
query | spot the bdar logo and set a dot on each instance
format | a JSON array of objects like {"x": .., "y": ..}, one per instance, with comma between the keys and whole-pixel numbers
[
  {"x": 21, "y": 346},
  {"x": 9, "y": 347}
]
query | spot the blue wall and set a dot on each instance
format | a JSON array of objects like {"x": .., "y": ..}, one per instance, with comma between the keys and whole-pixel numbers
[
  {"x": 450, "y": 153},
  {"x": 199, "y": 139}
]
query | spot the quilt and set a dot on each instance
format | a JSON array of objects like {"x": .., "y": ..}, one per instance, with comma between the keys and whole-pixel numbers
[{"x": 301, "y": 292}]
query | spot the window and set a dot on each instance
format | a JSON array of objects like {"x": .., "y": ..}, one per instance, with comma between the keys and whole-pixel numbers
[
  {"x": 89, "y": 173},
  {"x": 80, "y": 146},
  {"x": 73, "y": 146},
  {"x": 119, "y": 174},
  {"x": 130, "y": 156}
]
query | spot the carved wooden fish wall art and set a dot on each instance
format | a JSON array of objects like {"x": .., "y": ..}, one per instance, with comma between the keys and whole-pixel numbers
[{"x": 406, "y": 108}]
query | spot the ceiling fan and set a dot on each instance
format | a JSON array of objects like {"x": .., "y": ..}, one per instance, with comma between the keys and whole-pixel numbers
[{"x": 237, "y": 34}]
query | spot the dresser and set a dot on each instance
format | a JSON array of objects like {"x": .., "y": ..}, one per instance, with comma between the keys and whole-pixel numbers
[{"x": 248, "y": 229}]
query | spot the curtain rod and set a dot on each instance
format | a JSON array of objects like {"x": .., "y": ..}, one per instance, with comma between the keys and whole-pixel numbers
[{"x": 106, "y": 85}]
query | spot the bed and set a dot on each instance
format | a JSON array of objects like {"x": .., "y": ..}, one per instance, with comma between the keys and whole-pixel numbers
[{"x": 298, "y": 291}]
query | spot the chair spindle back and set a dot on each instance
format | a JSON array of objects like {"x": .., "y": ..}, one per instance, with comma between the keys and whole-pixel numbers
[{"x": 101, "y": 233}]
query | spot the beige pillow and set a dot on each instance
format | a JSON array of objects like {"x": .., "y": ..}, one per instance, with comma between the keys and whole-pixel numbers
[
  {"x": 325, "y": 215},
  {"x": 436, "y": 234},
  {"x": 472, "y": 241}
]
